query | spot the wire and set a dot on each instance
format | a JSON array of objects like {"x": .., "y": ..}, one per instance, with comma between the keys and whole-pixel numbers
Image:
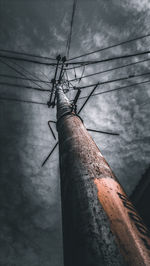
[
  {"x": 31, "y": 74},
  {"x": 111, "y": 46},
  {"x": 111, "y": 69},
  {"x": 74, "y": 67},
  {"x": 71, "y": 27},
  {"x": 75, "y": 73},
  {"x": 67, "y": 76},
  {"x": 79, "y": 79},
  {"x": 119, "y": 88},
  {"x": 85, "y": 63},
  {"x": 27, "y": 79},
  {"x": 28, "y": 72},
  {"x": 111, "y": 81},
  {"x": 68, "y": 82},
  {"x": 99, "y": 50},
  {"x": 19, "y": 100},
  {"x": 26, "y": 54},
  {"x": 19, "y": 72},
  {"x": 27, "y": 60},
  {"x": 23, "y": 86},
  {"x": 53, "y": 83},
  {"x": 44, "y": 75}
]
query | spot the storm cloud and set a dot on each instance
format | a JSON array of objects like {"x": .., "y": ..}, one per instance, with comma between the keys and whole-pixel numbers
[{"x": 30, "y": 216}]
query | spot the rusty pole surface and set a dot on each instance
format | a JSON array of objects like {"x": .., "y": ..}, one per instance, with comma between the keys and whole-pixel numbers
[{"x": 100, "y": 224}]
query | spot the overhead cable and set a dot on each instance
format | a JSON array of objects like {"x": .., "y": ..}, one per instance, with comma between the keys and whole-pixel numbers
[
  {"x": 111, "y": 81},
  {"x": 80, "y": 63},
  {"x": 85, "y": 63},
  {"x": 26, "y": 79},
  {"x": 17, "y": 71},
  {"x": 27, "y": 60},
  {"x": 111, "y": 69},
  {"x": 71, "y": 27},
  {"x": 79, "y": 79},
  {"x": 26, "y": 54},
  {"x": 20, "y": 100},
  {"x": 29, "y": 73},
  {"x": 111, "y": 46},
  {"x": 116, "y": 89},
  {"x": 23, "y": 86}
]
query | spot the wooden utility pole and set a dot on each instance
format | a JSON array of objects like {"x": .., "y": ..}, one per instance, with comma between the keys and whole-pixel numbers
[{"x": 100, "y": 224}]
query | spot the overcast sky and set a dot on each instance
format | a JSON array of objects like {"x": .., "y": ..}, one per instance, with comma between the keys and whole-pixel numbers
[{"x": 30, "y": 216}]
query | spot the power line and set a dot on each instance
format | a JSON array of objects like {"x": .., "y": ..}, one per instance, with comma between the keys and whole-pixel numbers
[
  {"x": 26, "y": 54},
  {"x": 27, "y": 60},
  {"x": 119, "y": 88},
  {"x": 99, "y": 50},
  {"x": 71, "y": 27},
  {"x": 23, "y": 86},
  {"x": 111, "y": 81},
  {"x": 111, "y": 69},
  {"x": 74, "y": 67},
  {"x": 19, "y": 72},
  {"x": 46, "y": 76},
  {"x": 26, "y": 79},
  {"x": 82, "y": 63},
  {"x": 85, "y": 63},
  {"x": 20, "y": 100},
  {"x": 111, "y": 46},
  {"x": 31, "y": 74}
]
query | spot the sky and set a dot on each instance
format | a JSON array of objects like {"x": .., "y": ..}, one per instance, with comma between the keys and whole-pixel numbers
[{"x": 30, "y": 216}]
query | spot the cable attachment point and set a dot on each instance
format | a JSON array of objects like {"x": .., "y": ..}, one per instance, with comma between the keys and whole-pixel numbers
[
  {"x": 53, "y": 81},
  {"x": 58, "y": 58},
  {"x": 64, "y": 59},
  {"x": 50, "y": 102}
]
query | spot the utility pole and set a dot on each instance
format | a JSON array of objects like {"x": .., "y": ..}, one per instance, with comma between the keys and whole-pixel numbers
[{"x": 100, "y": 224}]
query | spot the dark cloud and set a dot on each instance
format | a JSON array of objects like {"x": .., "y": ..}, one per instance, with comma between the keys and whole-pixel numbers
[{"x": 30, "y": 195}]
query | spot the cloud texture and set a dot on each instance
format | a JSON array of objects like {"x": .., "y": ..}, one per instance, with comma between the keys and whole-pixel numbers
[{"x": 30, "y": 195}]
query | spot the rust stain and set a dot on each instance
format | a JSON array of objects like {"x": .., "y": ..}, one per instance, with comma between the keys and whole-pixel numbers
[{"x": 131, "y": 233}]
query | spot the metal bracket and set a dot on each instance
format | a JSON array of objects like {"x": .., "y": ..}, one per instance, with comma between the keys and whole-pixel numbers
[
  {"x": 103, "y": 132},
  {"x": 50, "y": 154},
  {"x": 49, "y": 124},
  {"x": 53, "y": 81}
]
